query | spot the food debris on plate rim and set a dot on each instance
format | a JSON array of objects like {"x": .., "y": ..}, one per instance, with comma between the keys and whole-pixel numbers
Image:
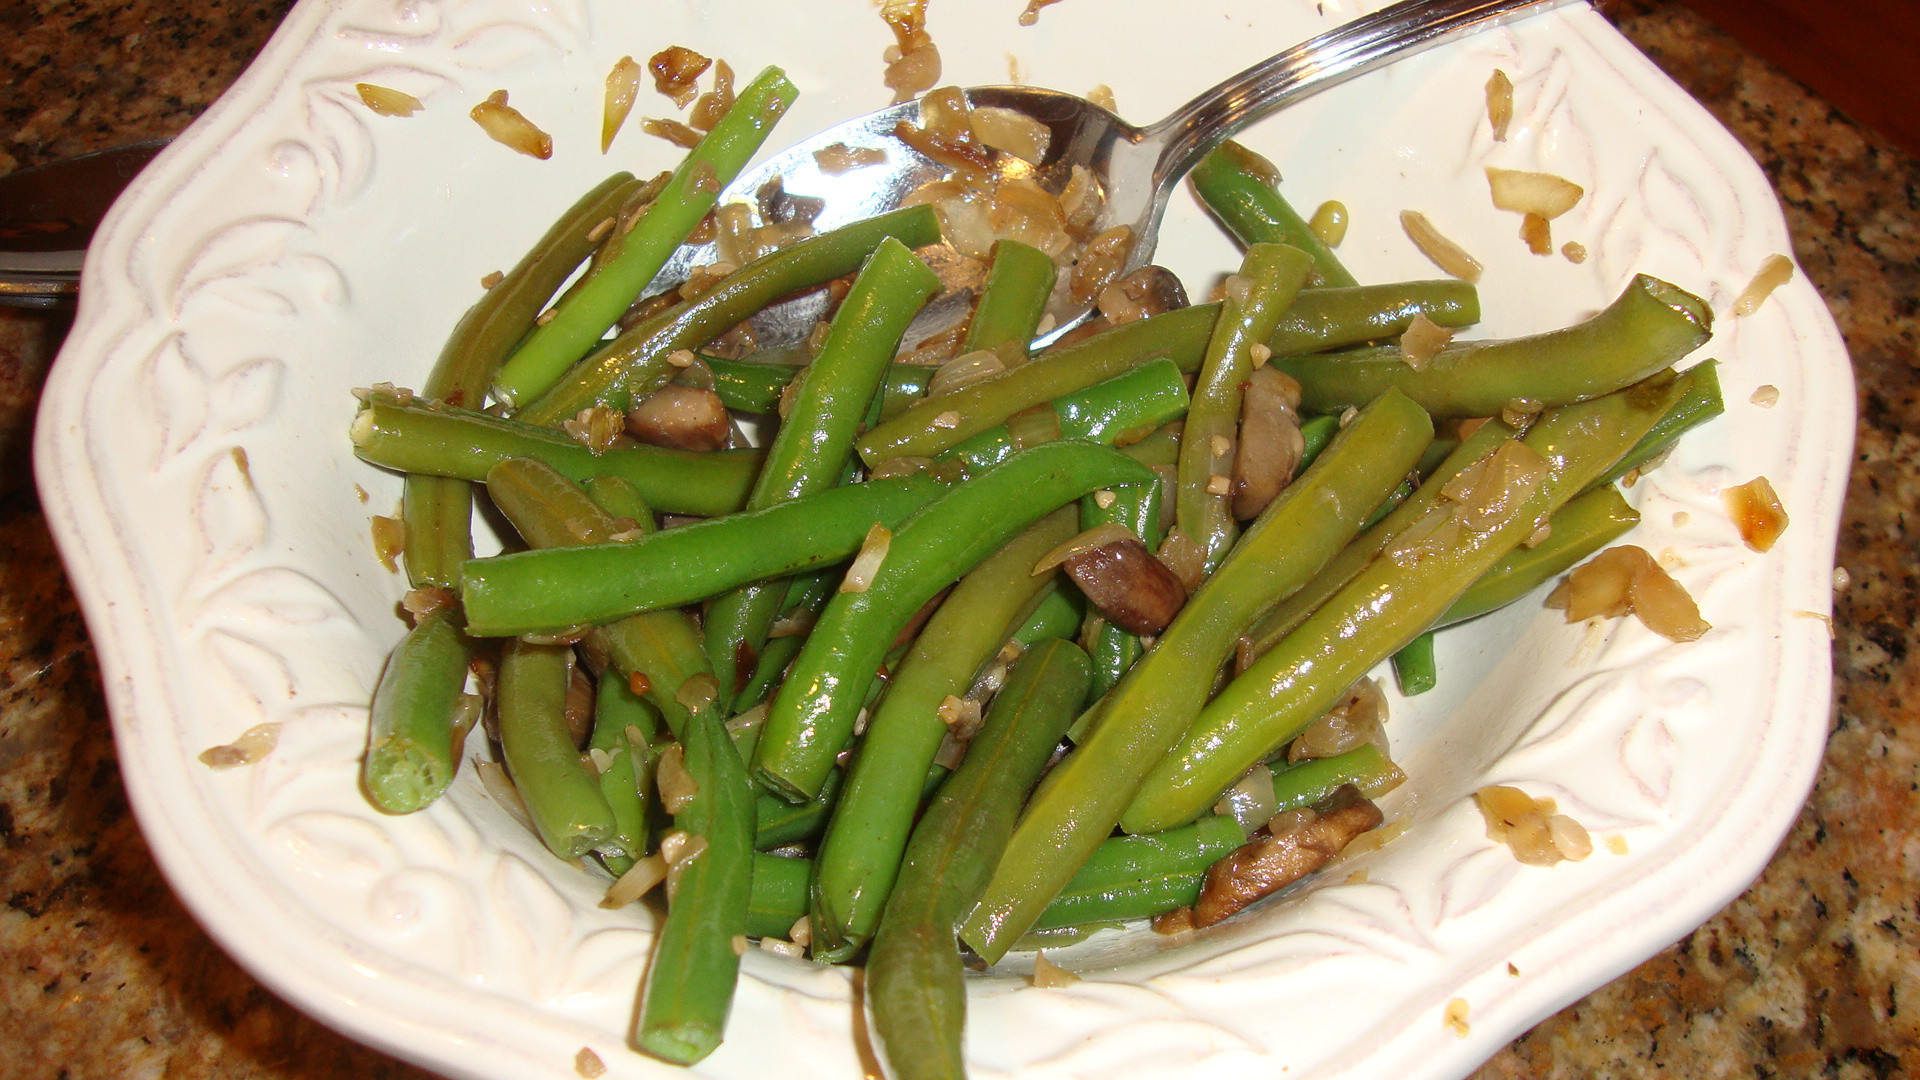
[{"x": 266, "y": 262}]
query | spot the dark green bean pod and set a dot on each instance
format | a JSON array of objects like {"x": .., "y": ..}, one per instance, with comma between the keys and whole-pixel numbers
[
  {"x": 1414, "y": 668},
  {"x": 1138, "y": 877},
  {"x": 813, "y": 713},
  {"x": 1012, "y": 300},
  {"x": 1701, "y": 403},
  {"x": 1318, "y": 319},
  {"x": 1650, "y": 326},
  {"x": 1150, "y": 710},
  {"x": 914, "y": 988},
  {"x": 635, "y": 363},
  {"x": 1110, "y": 411},
  {"x": 814, "y": 443},
  {"x": 868, "y": 832},
  {"x": 623, "y": 724},
  {"x": 1240, "y": 188},
  {"x": 1308, "y": 782},
  {"x": 562, "y": 795},
  {"x": 438, "y": 510},
  {"x": 633, "y": 255},
  {"x": 1575, "y": 531},
  {"x": 544, "y": 591},
  {"x": 1057, "y": 615},
  {"x": 439, "y": 440},
  {"x": 1395, "y": 598},
  {"x": 416, "y": 715},
  {"x": 754, "y": 384},
  {"x": 779, "y": 898}
]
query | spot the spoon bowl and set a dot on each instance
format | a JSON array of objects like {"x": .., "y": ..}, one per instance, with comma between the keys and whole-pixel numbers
[{"x": 1136, "y": 168}]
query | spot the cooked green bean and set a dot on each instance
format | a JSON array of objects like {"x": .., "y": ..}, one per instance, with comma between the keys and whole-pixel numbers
[
  {"x": 1153, "y": 705},
  {"x": 562, "y": 796},
  {"x": 635, "y": 363},
  {"x": 1270, "y": 277},
  {"x": 1648, "y": 327},
  {"x": 1057, "y": 615},
  {"x": 1318, "y": 319},
  {"x": 415, "y": 714},
  {"x": 1701, "y": 403},
  {"x": 867, "y": 834},
  {"x": 1414, "y": 669},
  {"x": 753, "y": 385},
  {"x": 440, "y": 440},
  {"x": 1575, "y": 531},
  {"x": 1012, "y": 299},
  {"x": 636, "y": 253},
  {"x": 1138, "y": 877},
  {"x": 914, "y": 987},
  {"x": 623, "y": 721},
  {"x": 436, "y": 510},
  {"x": 620, "y": 498},
  {"x": 1241, "y": 190},
  {"x": 1310, "y": 781},
  {"x": 542, "y": 591},
  {"x": 815, "y": 441},
  {"x": 813, "y": 713},
  {"x": 1110, "y": 411},
  {"x": 1395, "y": 598},
  {"x": 690, "y": 980},
  {"x": 779, "y": 897},
  {"x": 1112, "y": 649}
]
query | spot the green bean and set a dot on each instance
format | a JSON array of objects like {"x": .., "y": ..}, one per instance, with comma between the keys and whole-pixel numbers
[
  {"x": 1318, "y": 319},
  {"x": 561, "y": 794},
  {"x": 1701, "y": 403},
  {"x": 440, "y": 440},
  {"x": 620, "y": 498},
  {"x": 1271, "y": 275},
  {"x": 1012, "y": 300},
  {"x": 1651, "y": 325},
  {"x": 543, "y": 591},
  {"x": 1138, "y": 877},
  {"x": 780, "y": 822},
  {"x": 1312, "y": 780},
  {"x": 1162, "y": 447},
  {"x": 779, "y": 897},
  {"x": 1055, "y": 616},
  {"x": 661, "y": 647},
  {"x": 753, "y": 385},
  {"x": 1239, "y": 187},
  {"x": 690, "y": 981},
  {"x": 1575, "y": 531},
  {"x": 415, "y": 715},
  {"x": 914, "y": 977},
  {"x": 1155, "y": 702},
  {"x": 868, "y": 832},
  {"x": 805, "y": 595},
  {"x": 1290, "y": 612},
  {"x": 622, "y": 722},
  {"x": 1395, "y": 598},
  {"x": 813, "y": 713},
  {"x": 436, "y": 510},
  {"x": 1414, "y": 670},
  {"x": 635, "y": 363},
  {"x": 1112, "y": 410},
  {"x": 635, "y": 255},
  {"x": 1315, "y": 434},
  {"x": 815, "y": 441}
]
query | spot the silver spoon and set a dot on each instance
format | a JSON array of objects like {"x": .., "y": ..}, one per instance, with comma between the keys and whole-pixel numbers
[{"x": 1137, "y": 167}]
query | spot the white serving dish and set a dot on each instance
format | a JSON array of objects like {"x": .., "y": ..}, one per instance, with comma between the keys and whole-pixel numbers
[{"x": 292, "y": 245}]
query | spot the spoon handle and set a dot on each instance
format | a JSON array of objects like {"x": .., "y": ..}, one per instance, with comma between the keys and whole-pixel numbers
[{"x": 1351, "y": 49}]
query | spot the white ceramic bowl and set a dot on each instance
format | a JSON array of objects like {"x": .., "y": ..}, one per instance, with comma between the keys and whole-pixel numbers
[{"x": 193, "y": 460}]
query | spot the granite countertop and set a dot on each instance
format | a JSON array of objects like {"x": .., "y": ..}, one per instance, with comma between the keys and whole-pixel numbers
[{"x": 103, "y": 973}]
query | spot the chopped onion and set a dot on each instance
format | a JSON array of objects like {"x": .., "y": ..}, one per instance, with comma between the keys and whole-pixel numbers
[
  {"x": 1774, "y": 272},
  {"x": 1251, "y": 800},
  {"x": 253, "y": 745},
  {"x": 1766, "y": 395},
  {"x": 389, "y": 538},
  {"x": 639, "y": 880},
  {"x": 1358, "y": 719},
  {"x": 1098, "y": 536},
  {"x": 715, "y": 103},
  {"x": 965, "y": 370},
  {"x": 675, "y": 69},
  {"x": 873, "y": 551},
  {"x": 1756, "y": 510},
  {"x": 913, "y": 63},
  {"x": 623, "y": 85},
  {"x": 792, "y": 950},
  {"x": 1626, "y": 579},
  {"x": 698, "y": 692},
  {"x": 1533, "y": 192},
  {"x": 1499, "y": 104},
  {"x": 1014, "y": 132},
  {"x": 839, "y": 158},
  {"x": 1575, "y": 251},
  {"x": 1187, "y": 559},
  {"x": 961, "y": 715},
  {"x": 500, "y": 788},
  {"x": 1423, "y": 341},
  {"x": 1537, "y": 232},
  {"x": 1445, "y": 254},
  {"x": 505, "y": 125},
  {"x": 587, "y": 1064},
  {"x": 1048, "y": 975},
  {"x": 1031, "y": 427},
  {"x": 671, "y": 779},
  {"x": 387, "y": 101}
]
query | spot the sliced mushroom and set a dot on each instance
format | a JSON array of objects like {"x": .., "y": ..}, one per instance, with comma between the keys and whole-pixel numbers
[
  {"x": 682, "y": 417},
  {"x": 1270, "y": 443},
  {"x": 1267, "y": 864},
  {"x": 1134, "y": 590}
]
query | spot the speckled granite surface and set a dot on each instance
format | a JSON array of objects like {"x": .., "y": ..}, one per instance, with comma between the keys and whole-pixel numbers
[{"x": 1811, "y": 973}]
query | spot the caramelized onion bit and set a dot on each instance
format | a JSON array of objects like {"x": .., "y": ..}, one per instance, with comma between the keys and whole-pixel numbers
[
  {"x": 1358, "y": 719},
  {"x": 674, "y": 70},
  {"x": 1423, "y": 341},
  {"x": 716, "y": 102},
  {"x": 1134, "y": 590},
  {"x": 596, "y": 427},
  {"x": 1268, "y": 864},
  {"x": 1757, "y": 511},
  {"x": 1270, "y": 444},
  {"x": 673, "y": 131},
  {"x": 504, "y": 124},
  {"x": 253, "y": 745},
  {"x": 1014, "y": 132},
  {"x": 1499, "y": 104},
  {"x": 1445, "y": 254},
  {"x": 1774, "y": 272},
  {"x": 623, "y": 85},
  {"x": 1186, "y": 558},
  {"x": 389, "y": 540},
  {"x": 873, "y": 551},
  {"x": 682, "y": 417},
  {"x": 387, "y": 101},
  {"x": 840, "y": 158},
  {"x": 1540, "y": 193},
  {"x": 1251, "y": 800},
  {"x": 1575, "y": 251},
  {"x": 1047, "y": 974},
  {"x": 638, "y": 881},
  {"x": 1530, "y": 827},
  {"x": 1626, "y": 579},
  {"x": 1537, "y": 233},
  {"x": 913, "y": 63}
]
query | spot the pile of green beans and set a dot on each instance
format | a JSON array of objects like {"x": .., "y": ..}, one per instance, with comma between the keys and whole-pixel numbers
[{"x": 860, "y": 707}]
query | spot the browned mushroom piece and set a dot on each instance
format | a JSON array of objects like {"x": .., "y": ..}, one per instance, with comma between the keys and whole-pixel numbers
[
  {"x": 1132, "y": 588},
  {"x": 1270, "y": 444},
  {"x": 1267, "y": 864},
  {"x": 682, "y": 417}
]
